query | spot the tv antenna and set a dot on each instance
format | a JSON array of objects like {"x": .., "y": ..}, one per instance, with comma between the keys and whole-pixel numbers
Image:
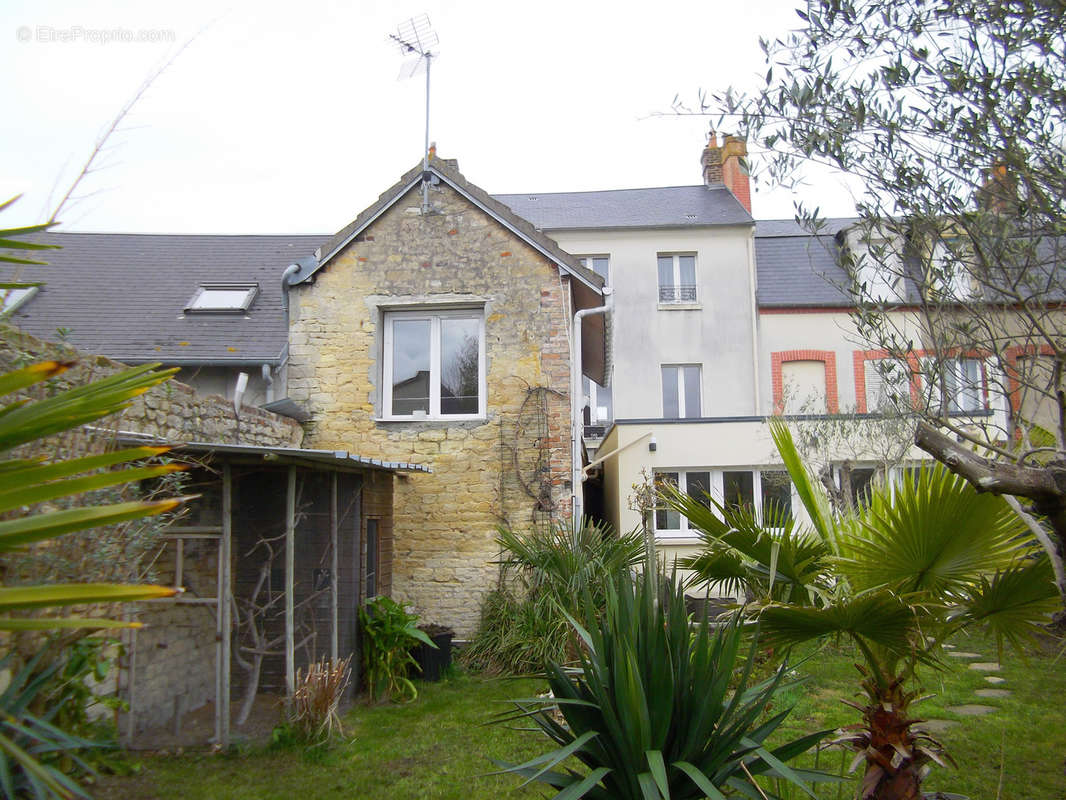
[{"x": 415, "y": 37}]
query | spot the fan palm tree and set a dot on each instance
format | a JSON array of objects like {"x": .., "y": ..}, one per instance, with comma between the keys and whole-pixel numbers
[{"x": 921, "y": 562}]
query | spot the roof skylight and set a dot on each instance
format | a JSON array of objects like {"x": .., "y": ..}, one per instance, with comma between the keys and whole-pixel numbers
[{"x": 222, "y": 298}]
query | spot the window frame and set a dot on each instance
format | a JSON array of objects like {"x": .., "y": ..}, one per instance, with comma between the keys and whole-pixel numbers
[
  {"x": 434, "y": 316},
  {"x": 251, "y": 291},
  {"x": 677, "y": 288},
  {"x": 681, "y": 404},
  {"x": 957, "y": 384},
  {"x": 586, "y": 262},
  {"x": 716, "y": 479},
  {"x": 593, "y": 391}
]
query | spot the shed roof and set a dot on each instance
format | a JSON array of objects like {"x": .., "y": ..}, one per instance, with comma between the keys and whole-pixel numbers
[{"x": 336, "y": 459}]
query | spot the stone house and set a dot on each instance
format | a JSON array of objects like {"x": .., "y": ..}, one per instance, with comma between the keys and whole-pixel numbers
[{"x": 435, "y": 329}]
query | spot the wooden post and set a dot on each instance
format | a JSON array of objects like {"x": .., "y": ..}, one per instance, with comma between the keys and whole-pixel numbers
[
  {"x": 290, "y": 580},
  {"x": 225, "y": 547},
  {"x": 333, "y": 571}
]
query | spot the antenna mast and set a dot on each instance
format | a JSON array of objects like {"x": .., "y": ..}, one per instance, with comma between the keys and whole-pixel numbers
[{"x": 415, "y": 37}]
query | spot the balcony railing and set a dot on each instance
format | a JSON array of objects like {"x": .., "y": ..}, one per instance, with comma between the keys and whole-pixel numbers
[{"x": 677, "y": 294}]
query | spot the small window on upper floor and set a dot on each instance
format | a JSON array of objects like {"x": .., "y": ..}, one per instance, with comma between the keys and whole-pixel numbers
[
  {"x": 677, "y": 278},
  {"x": 601, "y": 265},
  {"x": 222, "y": 298},
  {"x": 434, "y": 364}
]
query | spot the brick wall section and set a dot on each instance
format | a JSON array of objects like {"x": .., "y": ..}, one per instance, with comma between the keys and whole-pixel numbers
[
  {"x": 172, "y": 410},
  {"x": 443, "y": 543},
  {"x": 827, "y": 357}
]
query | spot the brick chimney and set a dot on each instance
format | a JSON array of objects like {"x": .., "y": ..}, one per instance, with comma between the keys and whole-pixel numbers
[{"x": 727, "y": 164}]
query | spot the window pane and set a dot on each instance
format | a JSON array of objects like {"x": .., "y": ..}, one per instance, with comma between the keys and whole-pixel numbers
[
  {"x": 410, "y": 366},
  {"x": 687, "y": 265},
  {"x": 970, "y": 394},
  {"x": 221, "y": 299},
  {"x": 776, "y": 494},
  {"x": 667, "y": 520},
  {"x": 459, "y": 349},
  {"x": 604, "y": 404},
  {"x": 599, "y": 266},
  {"x": 671, "y": 409},
  {"x": 692, "y": 391},
  {"x": 371, "y": 558},
  {"x": 666, "y": 272},
  {"x": 698, "y": 486},
  {"x": 738, "y": 489}
]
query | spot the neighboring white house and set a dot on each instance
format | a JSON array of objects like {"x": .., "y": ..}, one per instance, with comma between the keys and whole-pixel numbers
[{"x": 720, "y": 321}]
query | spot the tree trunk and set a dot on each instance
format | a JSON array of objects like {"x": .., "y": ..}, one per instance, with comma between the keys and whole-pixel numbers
[{"x": 888, "y": 778}]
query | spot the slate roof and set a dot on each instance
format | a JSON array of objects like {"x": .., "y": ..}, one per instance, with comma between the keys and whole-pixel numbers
[
  {"x": 663, "y": 207},
  {"x": 795, "y": 269},
  {"x": 447, "y": 170},
  {"x": 124, "y": 295}
]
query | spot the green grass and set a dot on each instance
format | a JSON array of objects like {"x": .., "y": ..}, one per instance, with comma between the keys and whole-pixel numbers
[
  {"x": 1015, "y": 753},
  {"x": 438, "y": 747}
]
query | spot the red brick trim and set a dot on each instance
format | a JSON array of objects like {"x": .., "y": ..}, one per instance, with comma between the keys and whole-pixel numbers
[
  {"x": 1011, "y": 356},
  {"x": 860, "y": 357},
  {"x": 828, "y": 359}
]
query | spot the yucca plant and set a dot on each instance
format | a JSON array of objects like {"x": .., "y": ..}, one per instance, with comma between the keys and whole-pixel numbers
[
  {"x": 922, "y": 562},
  {"x": 28, "y": 483},
  {"x": 658, "y": 708}
]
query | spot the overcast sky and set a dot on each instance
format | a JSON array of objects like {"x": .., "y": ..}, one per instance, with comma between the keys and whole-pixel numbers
[{"x": 289, "y": 117}]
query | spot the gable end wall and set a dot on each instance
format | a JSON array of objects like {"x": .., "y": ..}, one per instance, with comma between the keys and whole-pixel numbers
[{"x": 483, "y": 470}]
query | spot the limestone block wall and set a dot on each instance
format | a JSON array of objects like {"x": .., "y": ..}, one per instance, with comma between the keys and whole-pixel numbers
[
  {"x": 169, "y": 664},
  {"x": 511, "y": 467},
  {"x": 171, "y": 410},
  {"x": 172, "y": 659}
]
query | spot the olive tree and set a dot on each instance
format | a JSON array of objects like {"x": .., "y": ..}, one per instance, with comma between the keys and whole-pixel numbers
[{"x": 949, "y": 113}]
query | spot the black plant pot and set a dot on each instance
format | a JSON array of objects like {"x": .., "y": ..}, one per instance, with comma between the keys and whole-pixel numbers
[{"x": 434, "y": 663}]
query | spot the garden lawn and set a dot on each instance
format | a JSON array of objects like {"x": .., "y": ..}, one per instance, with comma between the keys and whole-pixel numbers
[
  {"x": 1017, "y": 752},
  {"x": 439, "y": 746}
]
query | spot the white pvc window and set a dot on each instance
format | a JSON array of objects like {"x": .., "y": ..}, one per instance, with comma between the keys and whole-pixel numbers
[
  {"x": 223, "y": 298},
  {"x": 964, "y": 381},
  {"x": 434, "y": 365},
  {"x": 759, "y": 489},
  {"x": 677, "y": 278},
  {"x": 681, "y": 391}
]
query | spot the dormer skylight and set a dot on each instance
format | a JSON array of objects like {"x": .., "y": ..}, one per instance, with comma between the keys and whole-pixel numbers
[{"x": 222, "y": 298}]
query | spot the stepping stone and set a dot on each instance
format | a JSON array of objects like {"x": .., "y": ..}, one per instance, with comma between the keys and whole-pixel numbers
[
  {"x": 985, "y": 666},
  {"x": 938, "y": 725},
  {"x": 948, "y": 646},
  {"x": 964, "y": 654},
  {"x": 971, "y": 710},
  {"x": 993, "y": 692},
  {"x": 995, "y": 679}
]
